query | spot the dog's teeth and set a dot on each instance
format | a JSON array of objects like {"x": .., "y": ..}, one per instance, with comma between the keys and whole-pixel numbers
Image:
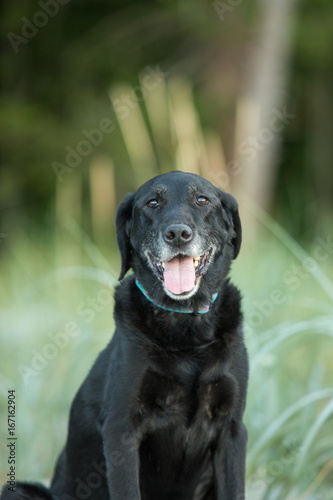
[
  {"x": 163, "y": 265},
  {"x": 196, "y": 263}
]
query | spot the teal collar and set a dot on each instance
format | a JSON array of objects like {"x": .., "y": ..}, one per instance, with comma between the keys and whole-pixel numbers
[{"x": 186, "y": 310}]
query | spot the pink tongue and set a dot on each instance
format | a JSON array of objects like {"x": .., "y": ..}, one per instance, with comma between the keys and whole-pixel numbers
[{"x": 179, "y": 275}]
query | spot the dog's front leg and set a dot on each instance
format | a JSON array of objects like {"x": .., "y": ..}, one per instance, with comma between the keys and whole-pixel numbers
[
  {"x": 229, "y": 463},
  {"x": 121, "y": 454}
]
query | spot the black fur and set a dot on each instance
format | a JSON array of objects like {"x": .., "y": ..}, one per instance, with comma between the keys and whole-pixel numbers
[
  {"x": 26, "y": 491},
  {"x": 159, "y": 416}
]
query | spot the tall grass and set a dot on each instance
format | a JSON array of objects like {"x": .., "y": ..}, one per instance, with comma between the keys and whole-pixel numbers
[
  {"x": 290, "y": 407},
  {"x": 290, "y": 404},
  {"x": 50, "y": 280}
]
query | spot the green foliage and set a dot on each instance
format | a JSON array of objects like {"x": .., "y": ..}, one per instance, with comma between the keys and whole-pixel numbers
[
  {"x": 56, "y": 85},
  {"x": 290, "y": 406}
]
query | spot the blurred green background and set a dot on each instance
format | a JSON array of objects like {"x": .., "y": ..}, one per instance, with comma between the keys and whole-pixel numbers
[{"x": 96, "y": 98}]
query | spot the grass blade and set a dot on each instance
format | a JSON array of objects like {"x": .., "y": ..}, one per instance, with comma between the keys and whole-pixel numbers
[
  {"x": 278, "y": 423},
  {"x": 321, "y": 325},
  {"x": 294, "y": 247}
]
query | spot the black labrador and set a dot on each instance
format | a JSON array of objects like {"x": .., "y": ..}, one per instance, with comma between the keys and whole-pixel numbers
[{"x": 159, "y": 416}]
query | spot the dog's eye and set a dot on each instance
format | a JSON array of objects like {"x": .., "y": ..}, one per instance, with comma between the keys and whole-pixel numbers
[
  {"x": 202, "y": 200},
  {"x": 152, "y": 203}
]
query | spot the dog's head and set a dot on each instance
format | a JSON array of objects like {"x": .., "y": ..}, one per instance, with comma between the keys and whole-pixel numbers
[{"x": 179, "y": 233}]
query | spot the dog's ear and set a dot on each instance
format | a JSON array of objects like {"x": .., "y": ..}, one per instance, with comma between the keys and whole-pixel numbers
[
  {"x": 123, "y": 220},
  {"x": 231, "y": 217}
]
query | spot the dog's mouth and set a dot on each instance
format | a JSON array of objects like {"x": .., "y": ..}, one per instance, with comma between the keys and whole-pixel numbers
[{"x": 181, "y": 273}]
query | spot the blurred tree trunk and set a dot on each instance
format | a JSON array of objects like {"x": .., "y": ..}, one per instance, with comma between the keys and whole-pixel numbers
[{"x": 262, "y": 112}]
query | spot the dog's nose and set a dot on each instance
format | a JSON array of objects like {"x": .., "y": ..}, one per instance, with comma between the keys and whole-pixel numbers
[{"x": 177, "y": 234}]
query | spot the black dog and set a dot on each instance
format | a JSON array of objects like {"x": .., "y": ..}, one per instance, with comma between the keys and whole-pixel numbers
[{"x": 160, "y": 415}]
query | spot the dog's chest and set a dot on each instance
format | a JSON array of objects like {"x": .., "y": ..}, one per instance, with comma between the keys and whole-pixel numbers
[{"x": 163, "y": 401}]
